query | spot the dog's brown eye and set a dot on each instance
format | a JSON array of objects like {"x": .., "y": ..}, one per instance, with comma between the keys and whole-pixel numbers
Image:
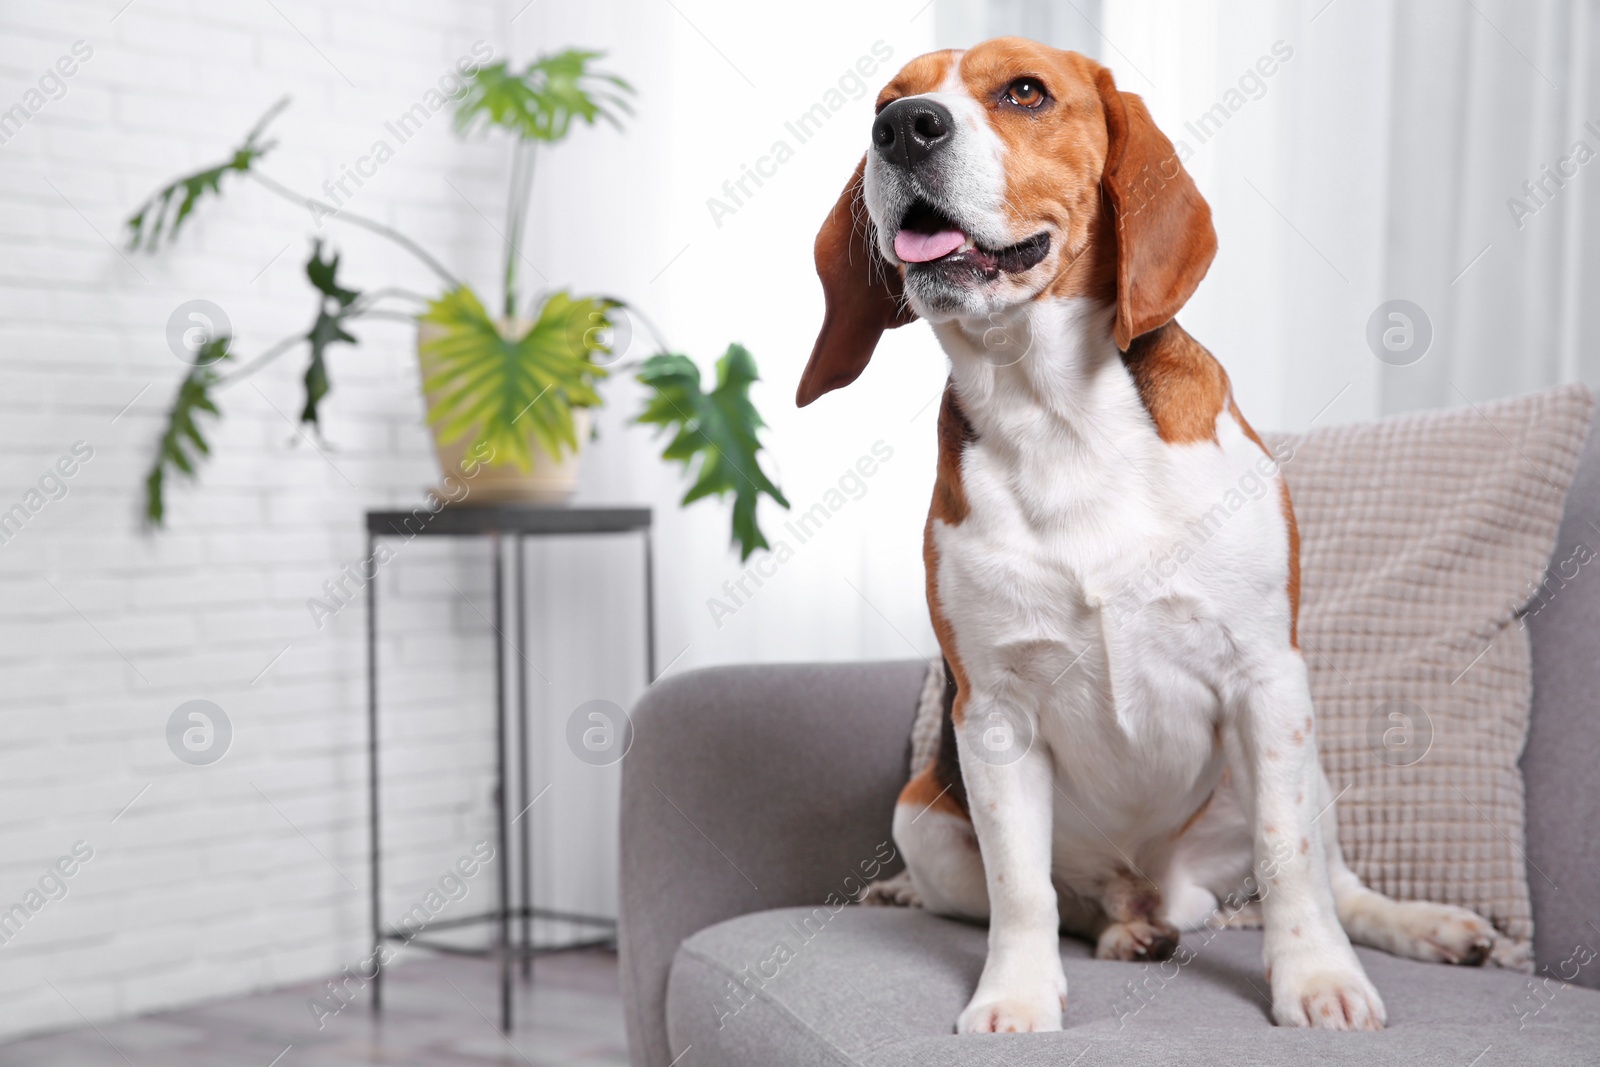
[{"x": 1025, "y": 92}]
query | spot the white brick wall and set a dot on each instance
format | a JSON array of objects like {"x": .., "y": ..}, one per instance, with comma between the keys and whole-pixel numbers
[
  {"x": 233, "y": 877},
  {"x": 201, "y": 888}
]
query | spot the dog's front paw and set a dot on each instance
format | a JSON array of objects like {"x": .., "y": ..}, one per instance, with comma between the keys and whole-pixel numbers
[
  {"x": 1328, "y": 994},
  {"x": 1443, "y": 933},
  {"x": 1021, "y": 1011}
]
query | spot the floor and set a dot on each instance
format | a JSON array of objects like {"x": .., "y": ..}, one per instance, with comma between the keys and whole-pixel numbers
[{"x": 437, "y": 1011}]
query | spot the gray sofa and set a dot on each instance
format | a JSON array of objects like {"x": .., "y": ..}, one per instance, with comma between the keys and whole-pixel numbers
[{"x": 755, "y": 799}]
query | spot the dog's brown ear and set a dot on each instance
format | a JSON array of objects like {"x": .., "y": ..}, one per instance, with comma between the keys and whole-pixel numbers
[
  {"x": 862, "y": 293},
  {"x": 1165, "y": 241}
]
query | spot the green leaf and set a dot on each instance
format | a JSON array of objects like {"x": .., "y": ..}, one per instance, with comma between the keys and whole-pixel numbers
[
  {"x": 316, "y": 376},
  {"x": 157, "y": 215},
  {"x": 715, "y": 435},
  {"x": 333, "y": 309},
  {"x": 182, "y": 444},
  {"x": 505, "y": 389},
  {"x": 321, "y": 273},
  {"x": 541, "y": 103}
]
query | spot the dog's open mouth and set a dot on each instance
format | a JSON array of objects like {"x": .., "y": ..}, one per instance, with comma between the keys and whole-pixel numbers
[{"x": 927, "y": 235}]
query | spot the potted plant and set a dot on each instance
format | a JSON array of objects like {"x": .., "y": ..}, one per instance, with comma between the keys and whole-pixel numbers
[{"x": 507, "y": 393}]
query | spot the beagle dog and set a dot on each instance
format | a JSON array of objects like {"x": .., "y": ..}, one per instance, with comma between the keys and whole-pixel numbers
[{"x": 1125, "y": 747}]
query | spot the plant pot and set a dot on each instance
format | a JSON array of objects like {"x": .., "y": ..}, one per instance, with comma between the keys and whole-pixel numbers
[{"x": 548, "y": 481}]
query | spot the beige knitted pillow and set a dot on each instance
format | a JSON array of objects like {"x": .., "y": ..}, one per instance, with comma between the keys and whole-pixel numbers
[{"x": 1422, "y": 539}]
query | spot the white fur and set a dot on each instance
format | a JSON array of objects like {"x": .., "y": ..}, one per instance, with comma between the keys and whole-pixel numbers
[{"x": 1153, "y": 666}]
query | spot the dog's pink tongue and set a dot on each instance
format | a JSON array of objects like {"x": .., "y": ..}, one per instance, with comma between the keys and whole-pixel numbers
[{"x": 913, "y": 247}]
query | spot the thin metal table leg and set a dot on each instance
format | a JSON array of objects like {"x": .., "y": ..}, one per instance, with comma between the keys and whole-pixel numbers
[
  {"x": 649, "y": 610},
  {"x": 372, "y": 779},
  {"x": 522, "y": 755},
  {"x": 498, "y": 571}
]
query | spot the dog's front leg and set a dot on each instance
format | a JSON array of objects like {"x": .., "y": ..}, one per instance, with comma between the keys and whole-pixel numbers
[
  {"x": 1315, "y": 977},
  {"x": 1008, "y": 776}
]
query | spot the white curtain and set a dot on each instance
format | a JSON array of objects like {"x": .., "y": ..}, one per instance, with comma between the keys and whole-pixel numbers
[
  {"x": 721, "y": 84},
  {"x": 1376, "y": 163},
  {"x": 1072, "y": 24}
]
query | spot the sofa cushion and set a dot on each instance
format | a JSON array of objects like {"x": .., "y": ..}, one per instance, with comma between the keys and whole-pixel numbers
[
  {"x": 1422, "y": 537},
  {"x": 883, "y": 986}
]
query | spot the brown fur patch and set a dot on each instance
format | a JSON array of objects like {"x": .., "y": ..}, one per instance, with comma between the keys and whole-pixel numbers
[
  {"x": 1165, "y": 240},
  {"x": 941, "y": 627},
  {"x": 949, "y": 506},
  {"x": 862, "y": 296},
  {"x": 923, "y": 74},
  {"x": 1294, "y": 564},
  {"x": 947, "y": 763},
  {"x": 1182, "y": 385},
  {"x": 928, "y": 791},
  {"x": 949, "y": 498}
]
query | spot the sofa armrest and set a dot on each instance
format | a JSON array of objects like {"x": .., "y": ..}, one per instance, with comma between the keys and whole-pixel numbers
[
  {"x": 748, "y": 788},
  {"x": 1559, "y": 765}
]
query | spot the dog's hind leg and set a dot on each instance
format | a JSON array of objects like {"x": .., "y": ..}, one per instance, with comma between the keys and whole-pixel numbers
[
  {"x": 896, "y": 892},
  {"x": 933, "y": 831},
  {"x": 1133, "y": 928},
  {"x": 944, "y": 868},
  {"x": 1417, "y": 929}
]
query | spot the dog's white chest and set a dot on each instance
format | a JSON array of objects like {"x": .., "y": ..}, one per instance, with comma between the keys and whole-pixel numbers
[
  {"x": 1054, "y": 584},
  {"x": 1093, "y": 587}
]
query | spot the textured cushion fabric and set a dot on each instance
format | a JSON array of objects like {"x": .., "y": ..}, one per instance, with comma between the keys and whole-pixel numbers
[
  {"x": 1562, "y": 761},
  {"x": 1422, "y": 537},
  {"x": 883, "y": 986}
]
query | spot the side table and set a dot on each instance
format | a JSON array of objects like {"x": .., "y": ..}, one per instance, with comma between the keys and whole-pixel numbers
[{"x": 500, "y": 523}]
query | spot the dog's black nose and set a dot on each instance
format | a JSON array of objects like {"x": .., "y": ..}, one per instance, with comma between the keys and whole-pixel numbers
[{"x": 909, "y": 130}]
